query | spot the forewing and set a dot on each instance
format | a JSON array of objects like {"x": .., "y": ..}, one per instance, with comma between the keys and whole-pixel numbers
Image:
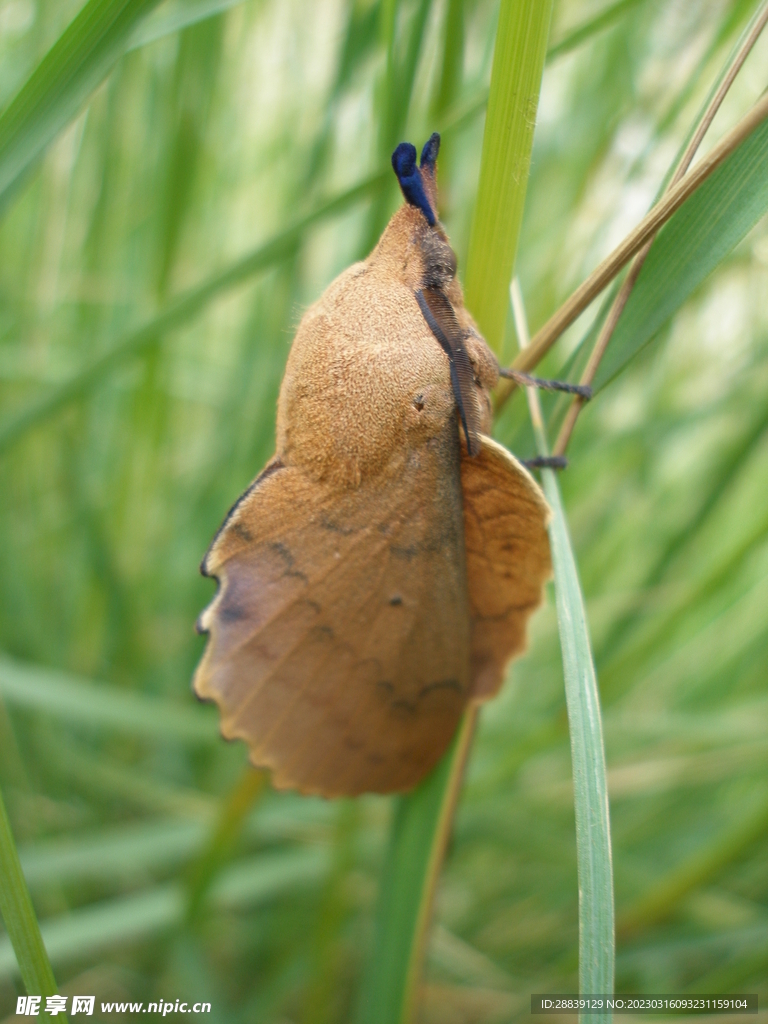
[
  {"x": 441, "y": 318},
  {"x": 339, "y": 638},
  {"x": 508, "y": 558}
]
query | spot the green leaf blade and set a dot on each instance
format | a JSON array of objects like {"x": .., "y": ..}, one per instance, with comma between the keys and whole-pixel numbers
[
  {"x": 20, "y": 918},
  {"x": 518, "y": 64},
  {"x": 98, "y": 706},
  {"x": 593, "y": 835},
  {"x": 694, "y": 242},
  {"x": 175, "y": 16},
  {"x": 597, "y": 932},
  {"x": 417, "y": 841},
  {"x": 74, "y": 66},
  {"x": 111, "y": 923}
]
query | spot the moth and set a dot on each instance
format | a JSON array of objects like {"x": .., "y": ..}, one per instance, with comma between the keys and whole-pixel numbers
[{"x": 378, "y": 574}]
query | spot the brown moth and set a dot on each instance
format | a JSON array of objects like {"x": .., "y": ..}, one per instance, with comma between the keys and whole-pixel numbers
[{"x": 378, "y": 574}]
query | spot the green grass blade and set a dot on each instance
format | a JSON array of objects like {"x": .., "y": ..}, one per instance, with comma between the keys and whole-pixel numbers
[
  {"x": 402, "y": 29},
  {"x": 103, "y": 707},
  {"x": 222, "y": 837},
  {"x": 423, "y": 818},
  {"x": 175, "y": 16},
  {"x": 112, "y": 854},
  {"x": 590, "y": 28},
  {"x": 663, "y": 897},
  {"x": 109, "y": 923},
  {"x": 74, "y": 66},
  {"x": 404, "y": 44},
  {"x": 593, "y": 837},
  {"x": 198, "y": 65},
  {"x": 518, "y": 62},
  {"x": 93, "y": 775},
  {"x": 133, "y": 851},
  {"x": 720, "y": 481},
  {"x": 597, "y": 942},
  {"x": 747, "y": 209},
  {"x": 453, "y": 58},
  {"x": 420, "y": 830},
  {"x": 19, "y": 917},
  {"x": 697, "y": 238}
]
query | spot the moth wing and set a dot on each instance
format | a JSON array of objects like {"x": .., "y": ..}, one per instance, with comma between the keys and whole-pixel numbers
[
  {"x": 339, "y": 644},
  {"x": 508, "y": 558}
]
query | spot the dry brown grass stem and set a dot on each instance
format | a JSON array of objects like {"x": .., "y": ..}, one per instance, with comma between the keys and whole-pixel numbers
[
  {"x": 617, "y": 308},
  {"x": 636, "y": 240}
]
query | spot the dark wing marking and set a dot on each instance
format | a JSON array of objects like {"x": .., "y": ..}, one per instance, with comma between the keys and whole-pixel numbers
[{"x": 441, "y": 319}]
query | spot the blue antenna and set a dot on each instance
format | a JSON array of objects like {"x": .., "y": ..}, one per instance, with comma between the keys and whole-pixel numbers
[
  {"x": 429, "y": 152},
  {"x": 409, "y": 176}
]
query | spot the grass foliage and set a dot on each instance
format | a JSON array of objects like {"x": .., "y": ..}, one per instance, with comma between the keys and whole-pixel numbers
[
  {"x": 597, "y": 925},
  {"x": 154, "y": 261}
]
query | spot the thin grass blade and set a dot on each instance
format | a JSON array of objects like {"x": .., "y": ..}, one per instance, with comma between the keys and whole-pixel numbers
[
  {"x": 697, "y": 238},
  {"x": 745, "y": 211},
  {"x": 114, "y": 922},
  {"x": 20, "y": 919},
  {"x": 660, "y": 901},
  {"x": 593, "y": 836},
  {"x": 85, "y": 703},
  {"x": 422, "y": 822},
  {"x": 222, "y": 837},
  {"x": 75, "y": 65},
  {"x": 518, "y": 63},
  {"x": 175, "y": 16},
  {"x": 150, "y": 846},
  {"x": 402, "y": 35},
  {"x": 602, "y": 21},
  {"x": 597, "y": 952}
]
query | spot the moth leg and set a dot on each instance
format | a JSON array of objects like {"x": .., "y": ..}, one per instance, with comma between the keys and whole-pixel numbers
[
  {"x": 546, "y": 462},
  {"x": 435, "y": 307},
  {"x": 582, "y": 390}
]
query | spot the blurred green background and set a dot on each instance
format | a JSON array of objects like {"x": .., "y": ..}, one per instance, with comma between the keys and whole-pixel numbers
[{"x": 160, "y": 866}]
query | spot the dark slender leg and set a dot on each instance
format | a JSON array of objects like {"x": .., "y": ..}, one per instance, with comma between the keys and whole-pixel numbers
[
  {"x": 546, "y": 462},
  {"x": 582, "y": 390}
]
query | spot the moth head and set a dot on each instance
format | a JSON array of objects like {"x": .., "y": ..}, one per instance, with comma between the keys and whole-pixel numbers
[{"x": 416, "y": 224}]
